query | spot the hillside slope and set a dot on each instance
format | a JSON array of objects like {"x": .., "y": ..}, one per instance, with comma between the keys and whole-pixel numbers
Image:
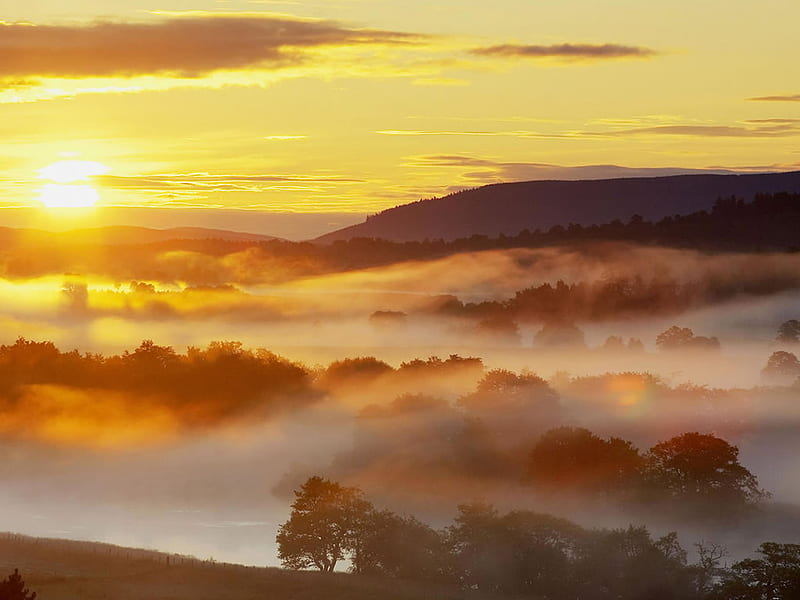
[
  {"x": 123, "y": 234},
  {"x": 70, "y": 570},
  {"x": 508, "y": 208}
]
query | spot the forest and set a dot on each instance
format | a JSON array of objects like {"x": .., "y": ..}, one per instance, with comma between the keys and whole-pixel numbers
[{"x": 525, "y": 554}]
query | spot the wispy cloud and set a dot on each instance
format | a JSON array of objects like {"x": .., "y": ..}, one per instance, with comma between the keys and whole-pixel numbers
[
  {"x": 565, "y": 52},
  {"x": 486, "y": 133},
  {"x": 225, "y": 182},
  {"x": 783, "y": 98},
  {"x": 485, "y": 170},
  {"x": 779, "y": 129}
]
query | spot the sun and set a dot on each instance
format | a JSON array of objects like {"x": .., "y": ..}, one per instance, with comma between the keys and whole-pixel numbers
[
  {"x": 65, "y": 191},
  {"x": 53, "y": 195},
  {"x": 70, "y": 171}
]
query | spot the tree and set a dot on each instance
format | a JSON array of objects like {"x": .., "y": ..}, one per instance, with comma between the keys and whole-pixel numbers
[
  {"x": 569, "y": 459},
  {"x": 701, "y": 471},
  {"x": 523, "y": 553},
  {"x": 402, "y": 547},
  {"x": 782, "y": 368},
  {"x": 627, "y": 564},
  {"x": 13, "y": 588},
  {"x": 556, "y": 333},
  {"x": 789, "y": 332},
  {"x": 707, "y": 568},
  {"x": 324, "y": 527},
  {"x": 683, "y": 338},
  {"x": 775, "y": 576},
  {"x": 674, "y": 338}
]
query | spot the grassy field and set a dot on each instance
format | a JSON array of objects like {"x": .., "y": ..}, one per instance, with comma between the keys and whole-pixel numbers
[{"x": 71, "y": 570}]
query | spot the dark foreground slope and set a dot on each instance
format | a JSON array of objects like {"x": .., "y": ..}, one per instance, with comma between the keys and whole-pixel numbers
[
  {"x": 68, "y": 570},
  {"x": 508, "y": 208}
]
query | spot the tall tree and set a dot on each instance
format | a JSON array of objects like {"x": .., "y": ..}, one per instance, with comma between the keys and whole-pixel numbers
[
  {"x": 703, "y": 472},
  {"x": 324, "y": 527},
  {"x": 789, "y": 332}
]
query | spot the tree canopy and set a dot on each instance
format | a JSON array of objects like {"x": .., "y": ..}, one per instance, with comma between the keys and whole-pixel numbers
[{"x": 323, "y": 527}]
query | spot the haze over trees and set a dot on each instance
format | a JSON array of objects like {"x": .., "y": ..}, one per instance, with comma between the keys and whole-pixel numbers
[
  {"x": 782, "y": 368},
  {"x": 789, "y": 332},
  {"x": 523, "y": 553}
]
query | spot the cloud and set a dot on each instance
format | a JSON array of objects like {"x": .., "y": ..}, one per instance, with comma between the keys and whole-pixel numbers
[
  {"x": 772, "y": 121},
  {"x": 189, "y": 46},
  {"x": 763, "y": 131},
  {"x": 225, "y": 182},
  {"x": 785, "y": 98},
  {"x": 566, "y": 52},
  {"x": 493, "y": 171},
  {"x": 758, "y": 128},
  {"x": 486, "y": 133}
]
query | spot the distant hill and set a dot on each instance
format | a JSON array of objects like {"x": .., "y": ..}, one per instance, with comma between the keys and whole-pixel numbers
[
  {"x": 121, "y": 234},
  {"x": 509, "y": 208},
  {"x": 71, "y": 570}
]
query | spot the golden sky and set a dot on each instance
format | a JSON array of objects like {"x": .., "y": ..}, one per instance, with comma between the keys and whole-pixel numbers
[{"x": 359, "y": 105}]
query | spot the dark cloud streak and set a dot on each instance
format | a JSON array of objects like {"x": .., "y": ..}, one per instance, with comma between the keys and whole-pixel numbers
[
  {"x": 566, "y": 51},
  {"x": 187, "y": 47},
  {"x": 784, "y": 98}
]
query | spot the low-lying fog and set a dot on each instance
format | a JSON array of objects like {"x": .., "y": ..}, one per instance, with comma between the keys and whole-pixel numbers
[{"x": 213, "y": 477}]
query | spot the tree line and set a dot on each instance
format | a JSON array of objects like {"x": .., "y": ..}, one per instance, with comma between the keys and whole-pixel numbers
[
  {"x": 768, "y": 222},
  {"x": 521, "y": 553}
]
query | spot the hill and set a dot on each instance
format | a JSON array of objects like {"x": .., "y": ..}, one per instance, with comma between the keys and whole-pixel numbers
[
  {"x": 72, "y": 570},
  {"x": 123, "y": 235},
  {"x": 509, "y": 208}
]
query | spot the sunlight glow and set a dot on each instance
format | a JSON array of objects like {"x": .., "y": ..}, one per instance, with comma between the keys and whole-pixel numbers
[
  {"x": 65, "y": 192},
  {"x": 54, "y": 195},
  {"x": 70, "y": 171}
]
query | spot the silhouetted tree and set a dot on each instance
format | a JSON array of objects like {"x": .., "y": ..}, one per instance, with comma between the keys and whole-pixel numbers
[
  {"x": 402, "y": 547},
  {"x": 570, "y": 459},
  {"x": 508, "y": 401},
  {"x": 324, "y": 527},
  {"x": 701, "y": 472},
  {"x": 683, "y": 338},
  {"x": 707, "y": 569},
  {"x": 782, "y": 368},
  {"x": 354, "y": 370},
  {"x": 789, "y": 332},
  {"x": 519, "y": 553},
  {"x": 559, "y": 333},
  {"x": 13, "y": 588},
  {"x": 627, "y": 564},
  {"x": 775, "y": 576}
]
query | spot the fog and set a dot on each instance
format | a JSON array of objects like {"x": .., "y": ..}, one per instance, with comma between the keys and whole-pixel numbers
[{"x": 201, "y": 458}]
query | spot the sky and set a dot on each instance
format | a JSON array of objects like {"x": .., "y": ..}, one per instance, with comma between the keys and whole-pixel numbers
[{"x": 348, "y": 107}]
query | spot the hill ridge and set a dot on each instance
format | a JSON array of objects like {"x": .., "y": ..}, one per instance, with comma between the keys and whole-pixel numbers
[{"x": 508, "y": 208}]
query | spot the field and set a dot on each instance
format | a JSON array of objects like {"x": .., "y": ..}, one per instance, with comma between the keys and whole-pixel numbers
[{"x": 71, "y": 570}]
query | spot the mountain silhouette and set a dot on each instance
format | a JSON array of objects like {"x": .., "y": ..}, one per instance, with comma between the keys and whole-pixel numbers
[{"x": 508, "y": 208}]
